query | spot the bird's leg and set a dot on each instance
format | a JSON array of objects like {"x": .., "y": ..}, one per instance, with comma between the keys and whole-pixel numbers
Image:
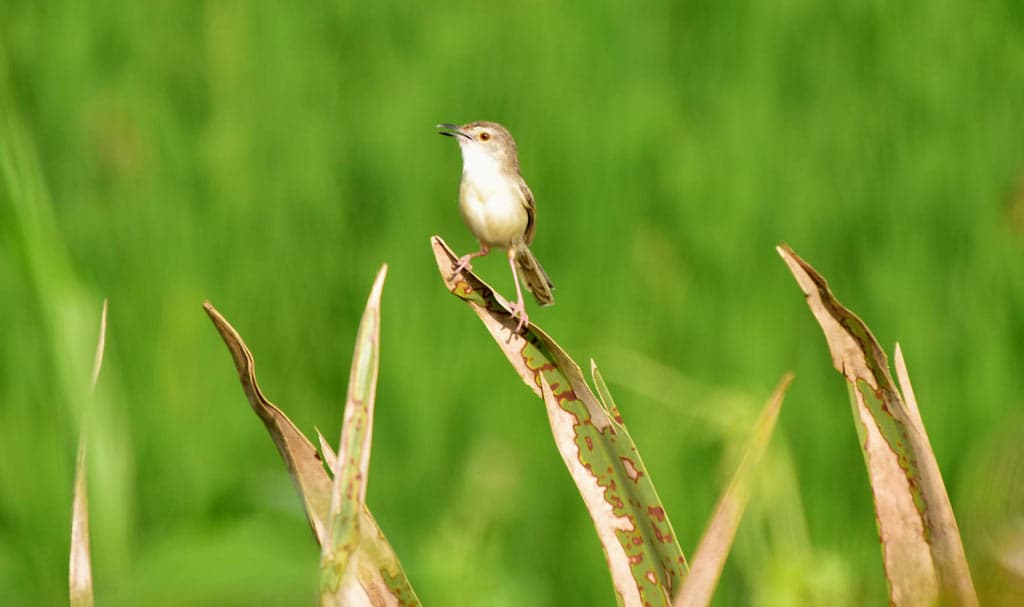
[
  {"x": 518, "y": 308},
  {"x": 464, "y": 261}
]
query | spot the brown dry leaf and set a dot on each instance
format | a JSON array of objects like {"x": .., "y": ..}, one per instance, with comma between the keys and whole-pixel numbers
[
  {"x": 80, "y": 561},
  {"x": 706, "y": 565},
  {"x": 921, "y": 547},
  {"x": 378, "y": 575},
  {"x": 299, "y": 454},
  {"x": 80, "y": 567}
]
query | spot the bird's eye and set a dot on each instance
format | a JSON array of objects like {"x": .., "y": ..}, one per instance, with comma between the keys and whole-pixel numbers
[{"x": 485, "y": 136}]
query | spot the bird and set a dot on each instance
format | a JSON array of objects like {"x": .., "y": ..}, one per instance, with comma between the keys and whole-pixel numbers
[{"x": 498, "y": 207}]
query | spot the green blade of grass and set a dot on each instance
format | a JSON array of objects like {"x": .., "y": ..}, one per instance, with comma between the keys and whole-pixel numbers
[
  {"x": 921, "y": 547},
  {"x": 641, "y": 549},
  {"x": 80, "y": 560},
  {"x": 351, "y": 469},
  {"x": 379, "y": 569},
  {"x": 706, "y": 565}
]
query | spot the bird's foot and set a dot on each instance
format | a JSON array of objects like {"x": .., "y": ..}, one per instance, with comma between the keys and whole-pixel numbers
[
  {"x": 519, "y": 310},
  {"x": 464, "y": 263}
]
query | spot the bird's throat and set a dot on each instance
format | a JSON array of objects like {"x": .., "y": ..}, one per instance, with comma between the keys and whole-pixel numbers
[{"x": 480, "y": 163}]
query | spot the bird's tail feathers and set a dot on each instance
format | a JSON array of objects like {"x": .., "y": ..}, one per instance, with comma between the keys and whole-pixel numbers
[{"x": 537, "y": 280}]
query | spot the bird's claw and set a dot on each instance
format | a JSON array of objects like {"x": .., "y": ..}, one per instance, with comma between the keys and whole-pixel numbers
[
  {"x": 463, "y": 264},
  {"x": 519, "y": 310}
]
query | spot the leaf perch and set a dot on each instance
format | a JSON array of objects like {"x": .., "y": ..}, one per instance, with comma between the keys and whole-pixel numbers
[{"x": 646, "y": 563}]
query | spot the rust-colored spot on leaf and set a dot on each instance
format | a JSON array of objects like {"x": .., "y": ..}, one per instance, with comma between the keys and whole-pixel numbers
[{"x": 631, "y": 470}]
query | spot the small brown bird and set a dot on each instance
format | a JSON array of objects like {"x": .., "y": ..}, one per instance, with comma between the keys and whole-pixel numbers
[{"x": 498, "y": 206}]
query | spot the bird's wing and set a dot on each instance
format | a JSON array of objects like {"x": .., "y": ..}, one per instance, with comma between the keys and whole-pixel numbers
[{"x": 531, "y": 211}]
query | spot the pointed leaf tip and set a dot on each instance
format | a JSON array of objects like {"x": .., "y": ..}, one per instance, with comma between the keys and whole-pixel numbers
[
  {"x": 330, "y": 457},
  {"x": 351, "y": 470},
  {"x": 378, "y": 284},
  {"x": 604, "y": 396},
  {"x": 101, "y": 344}
]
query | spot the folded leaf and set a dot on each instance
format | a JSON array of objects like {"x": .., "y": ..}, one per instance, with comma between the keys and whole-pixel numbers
[{"x": 921, "y": 548}]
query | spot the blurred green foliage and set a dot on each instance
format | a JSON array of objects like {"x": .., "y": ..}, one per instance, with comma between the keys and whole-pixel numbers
[{"x": 269, "y": 156}]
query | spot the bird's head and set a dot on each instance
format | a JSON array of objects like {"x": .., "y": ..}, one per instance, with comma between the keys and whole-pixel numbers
[{"x": 484, "y": 144}]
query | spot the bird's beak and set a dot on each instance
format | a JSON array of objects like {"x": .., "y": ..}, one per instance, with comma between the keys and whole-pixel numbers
[{"x": 451, "y": 130}]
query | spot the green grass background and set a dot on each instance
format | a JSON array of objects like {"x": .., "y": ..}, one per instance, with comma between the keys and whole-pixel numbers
[{"x": 270, "y": 156}]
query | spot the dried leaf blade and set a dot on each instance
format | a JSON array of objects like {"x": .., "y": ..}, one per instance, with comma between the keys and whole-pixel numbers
[
  {"x": 707, "y": 563},
  {"x": 80, "y": 567},
  {"x": 922, "y": 551},
  {"x": 80, "y": 560},
  {"x": 304, "y": 466}
]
